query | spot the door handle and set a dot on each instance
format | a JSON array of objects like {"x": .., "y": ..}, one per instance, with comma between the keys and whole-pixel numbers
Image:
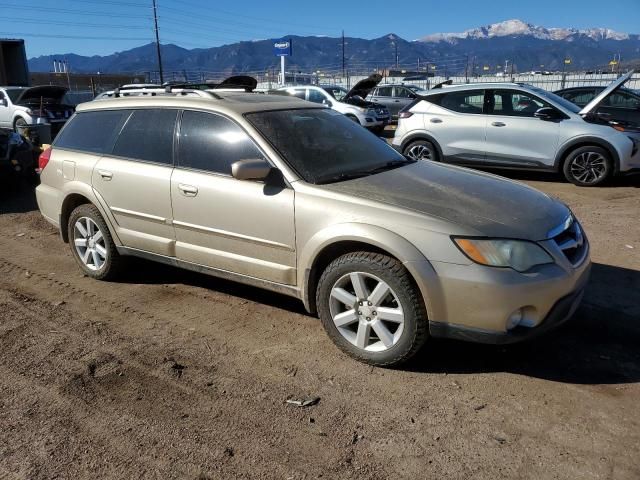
[
  {"x": 106, "y": 176},
  {"x": 436, "y": 120},
  {"x": 498, "y": 124},
  {"x": 397, "y": 101},
  {"x": 188, "y": 190}
]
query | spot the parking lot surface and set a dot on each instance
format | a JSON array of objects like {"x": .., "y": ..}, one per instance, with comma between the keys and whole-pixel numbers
[{"x": 172, "y": 374}]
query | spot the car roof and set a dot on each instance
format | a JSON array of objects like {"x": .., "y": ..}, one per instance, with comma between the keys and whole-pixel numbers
[
  {"x": 476, "y": 86},
  {"x": 227, "y": 102}
]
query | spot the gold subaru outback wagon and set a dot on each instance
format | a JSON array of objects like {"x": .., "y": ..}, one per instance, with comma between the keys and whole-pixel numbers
[{"x": 298, "y": 199}]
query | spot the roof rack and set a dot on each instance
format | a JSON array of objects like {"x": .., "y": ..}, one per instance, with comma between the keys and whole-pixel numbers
[{"x": 117, "y": 93}]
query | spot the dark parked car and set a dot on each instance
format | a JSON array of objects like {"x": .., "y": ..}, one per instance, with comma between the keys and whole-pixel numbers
[
  {"x": 395, "y": 97},
  {"x": 622, "y": 106}
]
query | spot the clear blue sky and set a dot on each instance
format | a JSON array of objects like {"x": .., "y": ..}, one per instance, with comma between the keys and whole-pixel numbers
[{"x": 106, "y": 26}]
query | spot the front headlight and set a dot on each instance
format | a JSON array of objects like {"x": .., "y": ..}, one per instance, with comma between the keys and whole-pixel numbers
[{"x": 520, "y": 255}]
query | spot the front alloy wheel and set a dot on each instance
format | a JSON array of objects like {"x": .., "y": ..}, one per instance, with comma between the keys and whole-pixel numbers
[
  {"x": 588, "y": 166},
  {"x": 372, "y": 309},
  {"x": 366, "y": 311}
]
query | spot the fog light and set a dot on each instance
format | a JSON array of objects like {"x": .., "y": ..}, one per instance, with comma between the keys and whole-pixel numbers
[{"x": 514, "y": 319}]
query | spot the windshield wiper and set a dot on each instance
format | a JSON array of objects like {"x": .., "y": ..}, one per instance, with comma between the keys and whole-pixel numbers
[{"x": 366, "y": 172}]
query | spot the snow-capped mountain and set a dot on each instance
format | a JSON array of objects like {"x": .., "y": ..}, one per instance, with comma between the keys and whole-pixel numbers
[{"x": 515, "y": 27}]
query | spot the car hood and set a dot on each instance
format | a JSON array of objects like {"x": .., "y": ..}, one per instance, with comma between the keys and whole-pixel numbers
[
  {"x": 487, "y": 204},
  {"x": 45, "y": 91},
  {"x": 364, "y": 87},
  {"x": 613, "y": 86}
]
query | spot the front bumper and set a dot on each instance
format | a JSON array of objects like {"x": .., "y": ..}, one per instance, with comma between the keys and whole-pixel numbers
[
  {"x": 562, "y": 311},
  {"x": 474, "y": 302}
]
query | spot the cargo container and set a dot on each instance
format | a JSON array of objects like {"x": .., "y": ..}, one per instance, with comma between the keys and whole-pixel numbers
[{"x": 14, "y": 70}]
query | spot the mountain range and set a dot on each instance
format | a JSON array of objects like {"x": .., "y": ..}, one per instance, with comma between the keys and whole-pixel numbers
[{"x": 525, "y": 46}]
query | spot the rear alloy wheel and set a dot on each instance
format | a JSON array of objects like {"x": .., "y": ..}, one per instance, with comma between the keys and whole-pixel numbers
[
  {"x": 91, "y": 243},
  {"x": 588, "y": 166},
  {"x": 371, "y": 308},
  {"x": 421, "y": 150}
]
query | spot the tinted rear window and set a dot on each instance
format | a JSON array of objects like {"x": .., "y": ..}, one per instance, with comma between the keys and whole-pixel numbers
[
  {"x": 92, "y": 132},
  {"x": 148, "y": 136}
]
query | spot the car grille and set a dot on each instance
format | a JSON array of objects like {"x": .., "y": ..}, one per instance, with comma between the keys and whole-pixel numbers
[
  {"x": 381, "y": 111},
  {"x": 572, "y": 242}
]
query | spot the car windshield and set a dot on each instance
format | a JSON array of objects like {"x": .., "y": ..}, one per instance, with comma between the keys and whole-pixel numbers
[
  {"x": 336, "y": 92},
  {"x": 324, "y": 146},
  {"x": 14, "y": 93},
  {"x": 563, "y": 102}
]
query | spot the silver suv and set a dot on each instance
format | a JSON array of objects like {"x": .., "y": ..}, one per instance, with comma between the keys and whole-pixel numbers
[
  {"x": 517, "y": 126},
  {"x": 351, "y": 103},
  {"x": 275, "y": 192}
]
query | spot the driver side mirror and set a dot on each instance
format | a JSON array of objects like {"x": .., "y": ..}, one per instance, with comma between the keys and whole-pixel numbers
[
  {"x": 547, "y": 113},
  {"x": 4, "y": 102},
  {"x": 327, "y": 103},
  {"x": 251, "y": 169}
]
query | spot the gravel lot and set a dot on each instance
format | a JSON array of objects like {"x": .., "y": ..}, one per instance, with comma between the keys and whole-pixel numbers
[{"x": 172, "y": 374}]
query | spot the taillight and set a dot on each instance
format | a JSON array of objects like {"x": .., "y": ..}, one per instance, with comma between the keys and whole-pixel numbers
[
  {"x": 43, "y": 159},
  {"x": 405, "y": 114}
]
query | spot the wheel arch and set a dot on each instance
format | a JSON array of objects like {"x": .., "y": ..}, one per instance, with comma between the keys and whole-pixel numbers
[
  {"x": 586, "y": 141},
  {"x": 74, "y": 196},
  {"x": 333, "y": 242}
]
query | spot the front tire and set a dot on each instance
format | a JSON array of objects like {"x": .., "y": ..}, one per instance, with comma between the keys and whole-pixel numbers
[
  {"x": 421, "y": 150},
  {"x": 92, "y": 245},
  {"x": 19, "y": 123},
  {"x": 372, "y": 309},
  {"x": 588, "y": 166}
]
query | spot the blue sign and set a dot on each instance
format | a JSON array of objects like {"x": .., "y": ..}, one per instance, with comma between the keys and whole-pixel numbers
[{"x": 282, "y": 47}]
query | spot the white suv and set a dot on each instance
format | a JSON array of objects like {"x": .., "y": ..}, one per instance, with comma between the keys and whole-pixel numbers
[{"x": 508, "y": 125}]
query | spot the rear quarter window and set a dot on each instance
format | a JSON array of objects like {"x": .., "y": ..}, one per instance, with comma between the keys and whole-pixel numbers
[{"x": 92, "y": 132}]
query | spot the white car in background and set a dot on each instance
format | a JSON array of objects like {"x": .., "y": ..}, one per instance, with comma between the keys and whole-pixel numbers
[
  {"x": 516, "y": 126},
  {"x": 351, "y": 103}
]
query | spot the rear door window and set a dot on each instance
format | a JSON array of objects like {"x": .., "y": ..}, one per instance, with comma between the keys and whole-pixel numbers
[
  {"x": 213, "y": 143},
  {"x": 93, "y": 132},
  {"x": 580, "y": 97},
  {"x": 467, "y": 101},
  {"x": 148, "y": 136},
  {"x": 385, "y": 91},
  {"x": 402, "y": 92}
]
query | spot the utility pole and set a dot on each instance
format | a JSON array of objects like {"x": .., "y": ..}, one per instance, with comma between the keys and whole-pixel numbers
[
  {"x": 155, "y": 21},
  {"x": 466, "y": 70},
  {"x": 396, "y": 45},
  {"x": 343, "y": 62}
]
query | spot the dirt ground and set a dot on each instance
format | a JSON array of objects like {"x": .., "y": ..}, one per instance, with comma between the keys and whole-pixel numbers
[{"x": 172, "y": 374}]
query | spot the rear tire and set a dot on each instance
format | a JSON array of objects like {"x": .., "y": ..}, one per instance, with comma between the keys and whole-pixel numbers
[
  {"x": 588, "y": 166},
  {"x": 372, "y": 309},
  {"x": 421, "y": 150},
  {"x": 92, "y": 245}
]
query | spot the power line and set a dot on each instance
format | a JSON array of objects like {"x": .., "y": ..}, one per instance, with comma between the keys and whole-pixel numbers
[
  {"x": 75, "y": 12},
  {"x": 79, "y": 37}
]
